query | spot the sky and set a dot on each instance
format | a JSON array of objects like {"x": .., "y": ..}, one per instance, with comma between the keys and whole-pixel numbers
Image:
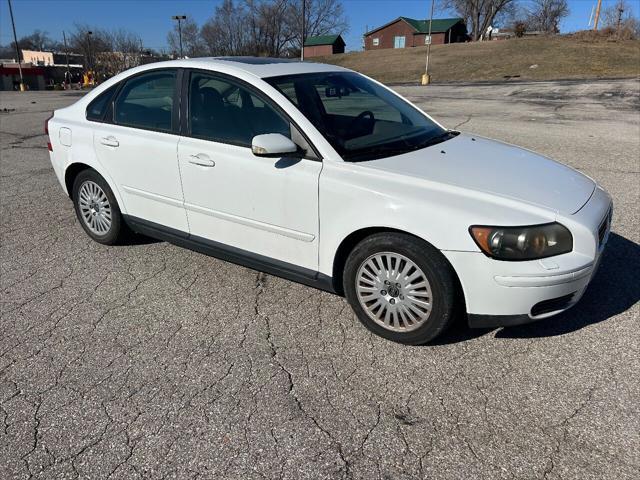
[{"x": 151, "y": 19}]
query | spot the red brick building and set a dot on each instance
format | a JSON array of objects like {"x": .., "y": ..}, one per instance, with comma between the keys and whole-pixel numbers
[
  {"x": 323, "y": 45},
  {"x": 406, "y": 32}
]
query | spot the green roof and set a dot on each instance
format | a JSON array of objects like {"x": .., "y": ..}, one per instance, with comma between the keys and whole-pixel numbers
[
  {"x": 321, "y": 40},
  {"x": 439, "y": 25}
]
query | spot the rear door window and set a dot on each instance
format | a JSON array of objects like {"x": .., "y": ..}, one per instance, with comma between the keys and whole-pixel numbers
[{"x": 147, "y": 101}]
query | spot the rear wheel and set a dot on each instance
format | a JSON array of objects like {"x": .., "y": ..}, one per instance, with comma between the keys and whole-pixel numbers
[
  {"x": 400, "y": 288},
  {"x": 97, "y": 209}
]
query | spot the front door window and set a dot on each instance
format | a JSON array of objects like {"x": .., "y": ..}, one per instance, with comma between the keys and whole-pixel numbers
[{"x": 225, "y": 112}]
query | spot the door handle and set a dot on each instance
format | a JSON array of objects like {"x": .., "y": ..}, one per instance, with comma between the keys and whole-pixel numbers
[
  {"x": 202, "y": 160},
  {"x": 109, "y": 141}
]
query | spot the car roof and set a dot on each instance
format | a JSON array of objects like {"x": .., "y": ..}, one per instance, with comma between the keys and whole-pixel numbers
[{"x": 262, "y": 67}]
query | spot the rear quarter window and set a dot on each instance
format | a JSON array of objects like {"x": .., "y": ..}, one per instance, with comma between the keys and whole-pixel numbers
[{"x": 98, "y": 107}]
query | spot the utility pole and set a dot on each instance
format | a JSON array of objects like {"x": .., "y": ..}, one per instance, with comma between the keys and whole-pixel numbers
[
  {"x": 89, "y": 59},
  {"x": 66, "y": 51},
  {"x": 89, "y": 75},
  {"x": 15, "y": 40},
  {"x": 179, "y": 18},
  {"x": 364, "y": 37},
  {"x": 620, "y": 12},
  {"x": 595, "y": 21},
  {"x": 304, "y": 20},
  {"x": 426, "y": 78}
]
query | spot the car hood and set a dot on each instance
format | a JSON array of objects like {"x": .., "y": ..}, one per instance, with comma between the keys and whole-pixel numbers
[{"x": 497, "y": 168}]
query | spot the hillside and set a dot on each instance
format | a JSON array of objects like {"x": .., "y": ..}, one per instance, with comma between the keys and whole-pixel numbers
[{"x": 555, "y": 57}]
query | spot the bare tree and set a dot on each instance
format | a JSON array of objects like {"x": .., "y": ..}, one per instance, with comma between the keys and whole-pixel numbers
[
  {"x": 269, "y": 27},
  {"x": 322, "y": 17},
  {"x": 213, "y": 38},
  {"x": 545, "y": 15},
  {"x": 7, "y": 52},
  {"x": 479, "y": 14},
  {"x": 222, "y": 34},
  {"x": 126, "y": 52},
  {"x": 246, "y": 27},
  {"x": 620, "y": 17},
  {"x": 191, "y": 41},
  {"x": 106, "y": 52},
  {"x": 90, "y": 42},
  {"x": 38, "y": 40},
  {"x": 125, "y": 41}
]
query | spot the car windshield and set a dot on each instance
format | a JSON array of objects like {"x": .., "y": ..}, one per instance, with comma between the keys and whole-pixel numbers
[{"x": 358, "y": 117}]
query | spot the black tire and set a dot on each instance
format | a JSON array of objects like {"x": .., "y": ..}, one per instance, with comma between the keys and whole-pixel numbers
[
  {"x": 118, "y": 230},
  {"x": 438, "y": 271}
]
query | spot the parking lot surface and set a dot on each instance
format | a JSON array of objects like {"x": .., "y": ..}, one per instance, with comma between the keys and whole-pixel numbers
[{"x": 148, "y": 360}]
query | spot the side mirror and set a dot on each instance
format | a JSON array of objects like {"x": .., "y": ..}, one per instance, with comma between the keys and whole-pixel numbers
[{"x": 272, "y": 145}]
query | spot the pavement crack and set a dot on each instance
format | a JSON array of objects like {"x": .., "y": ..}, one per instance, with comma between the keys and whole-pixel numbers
[
  {"x": 464, "y": 122},
  {"x": 564, "y": 424},
  {"x": 36, "y": 437},
  {"x": 259, "y": 287}
]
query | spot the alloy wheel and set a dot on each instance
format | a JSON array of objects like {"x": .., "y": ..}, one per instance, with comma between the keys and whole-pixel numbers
[
  {"x": 94, "y": 207},
  {"x": 394, "y": 291}
]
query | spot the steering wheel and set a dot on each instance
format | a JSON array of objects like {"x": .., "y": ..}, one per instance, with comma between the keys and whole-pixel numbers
[{"x": 367, "y": 114}]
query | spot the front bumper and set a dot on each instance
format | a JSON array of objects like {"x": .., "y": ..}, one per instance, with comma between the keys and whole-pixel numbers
[
  {"x": 555, "y": 306},
  {"x": 500, "y": 293}
]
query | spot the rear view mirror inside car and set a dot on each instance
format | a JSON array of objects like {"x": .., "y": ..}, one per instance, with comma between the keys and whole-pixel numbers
[{"x": 336, "y": 91}]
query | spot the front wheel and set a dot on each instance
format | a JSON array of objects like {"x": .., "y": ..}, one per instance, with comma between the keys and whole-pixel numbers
[
  {"x": 97, "y": 209},
  {"x": 400, "y": 288}
]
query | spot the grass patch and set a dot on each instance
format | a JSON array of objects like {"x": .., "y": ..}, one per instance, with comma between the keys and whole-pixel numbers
[{"x": 559, "y": 57}]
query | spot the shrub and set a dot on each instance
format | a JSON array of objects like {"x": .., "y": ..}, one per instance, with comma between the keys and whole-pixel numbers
[{"x": 606, "y": 34}]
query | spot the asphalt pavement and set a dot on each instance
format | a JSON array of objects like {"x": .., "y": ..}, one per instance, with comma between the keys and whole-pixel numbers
[{"x": 151, "y": 361}]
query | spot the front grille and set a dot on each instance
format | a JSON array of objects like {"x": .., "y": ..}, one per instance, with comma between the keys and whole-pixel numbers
[
  {"x": 604, "y": 227},
  {"x": 552, "y": 305}
]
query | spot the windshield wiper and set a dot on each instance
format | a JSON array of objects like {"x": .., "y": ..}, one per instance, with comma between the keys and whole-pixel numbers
[
  {"x": 380, "y": 151},
  {"x": 374, "y": 153},
  {"x": 442, "y": 137}
]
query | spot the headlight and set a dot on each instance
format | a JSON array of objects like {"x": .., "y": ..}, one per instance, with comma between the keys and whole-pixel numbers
[{"x": 523, "y": 243}]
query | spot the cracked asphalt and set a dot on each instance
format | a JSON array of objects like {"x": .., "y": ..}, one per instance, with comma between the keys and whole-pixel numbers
[{"x": 151, "y": 361}]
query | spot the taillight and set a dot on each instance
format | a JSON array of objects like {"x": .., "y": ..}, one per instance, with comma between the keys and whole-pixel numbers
[{"x": 46, "y": 132}]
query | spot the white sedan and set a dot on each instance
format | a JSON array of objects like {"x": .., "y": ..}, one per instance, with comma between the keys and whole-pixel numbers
[{"x": 323, "y": 176}]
